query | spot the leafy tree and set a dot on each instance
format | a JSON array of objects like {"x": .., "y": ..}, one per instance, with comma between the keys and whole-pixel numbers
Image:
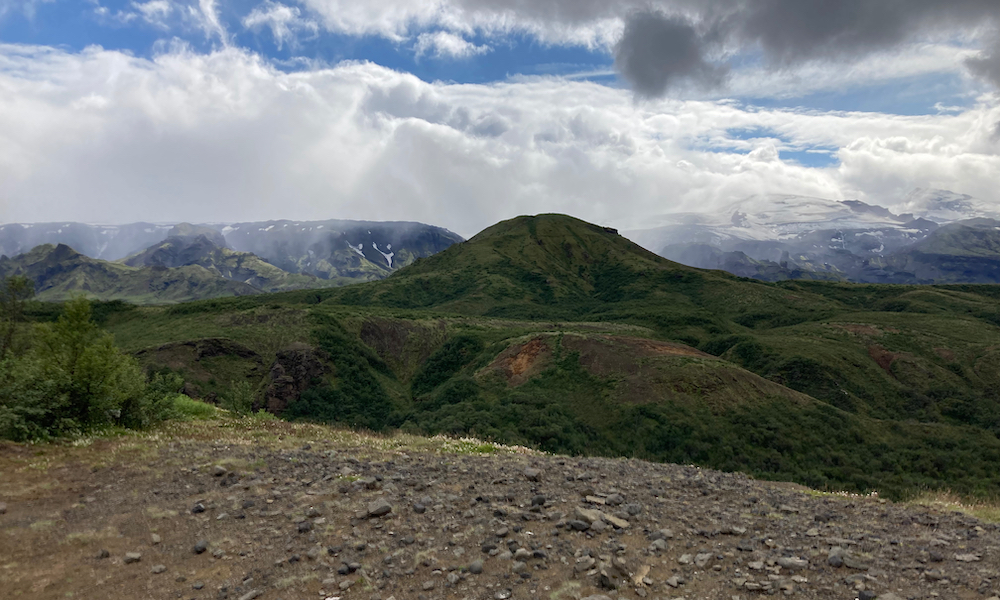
[
  {"x": 14, "y": 293},
  {"x": 73, "y": 378}
]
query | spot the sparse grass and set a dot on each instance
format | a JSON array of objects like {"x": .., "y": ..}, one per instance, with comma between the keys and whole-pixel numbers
[
  {"x": 287, "y": 582},
  {"x": 155, "y": 512},
  {"x": 84, "y": 538},
  {"x": 983, "y": 509}
]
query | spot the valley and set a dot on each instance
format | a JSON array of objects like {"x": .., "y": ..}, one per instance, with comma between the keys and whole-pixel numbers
[{"x": 557, "y": 334}]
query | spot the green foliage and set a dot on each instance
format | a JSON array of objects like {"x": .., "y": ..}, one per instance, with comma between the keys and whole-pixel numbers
[
  {"x": 73, "y": 378},
  {"x": 446, "y": 362},
  {"x": 240, "y": 397},
  {"x": 14, "y": 294},
  {"x": 357, "y": 396}
]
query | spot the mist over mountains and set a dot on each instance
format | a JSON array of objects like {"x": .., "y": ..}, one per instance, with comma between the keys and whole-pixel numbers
[
  {"x": 148, "y": 263},
  {"x": 931, "y": 236}
]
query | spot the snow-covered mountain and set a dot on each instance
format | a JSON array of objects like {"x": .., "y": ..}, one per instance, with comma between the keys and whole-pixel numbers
[
  {"x": 785, "y": 236},
  {"x": 337, "y": 250}
]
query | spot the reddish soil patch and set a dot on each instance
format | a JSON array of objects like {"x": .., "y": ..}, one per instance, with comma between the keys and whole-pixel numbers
[
  {"x": 520, "y": 361},
  {"x": 883, "y": 357}
]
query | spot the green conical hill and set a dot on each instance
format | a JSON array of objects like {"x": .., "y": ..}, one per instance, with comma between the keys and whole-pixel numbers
[{"x": 556, "y": 266}]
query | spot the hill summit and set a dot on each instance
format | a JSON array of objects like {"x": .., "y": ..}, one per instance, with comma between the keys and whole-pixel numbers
[{"x": 529, "y": 266}]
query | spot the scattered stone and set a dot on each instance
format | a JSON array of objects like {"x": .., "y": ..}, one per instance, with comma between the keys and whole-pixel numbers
[
  {"x": 379, "y": 508},
  {"x": 200, "y": 546},
  {"x": 251, "y": 595},
  {"x": 577, "y": 525},
  {"x": 218, "y": 471},
  {"x": 157, "y": 569},
  {"x": 103, "y": 554},
  {"x": 792, "y": 562},
  {"x": 3, "y": 508},
  {"x": 198, "y": 508},
  {"x": 968, "y": 557},
  {"x": 419, "y": 508},
  {"x": 132, "y": 557},
  {"x": 476, "y": 567},
  {"x": 155, "y": 539},
  {"x": 532, "y": 474}
]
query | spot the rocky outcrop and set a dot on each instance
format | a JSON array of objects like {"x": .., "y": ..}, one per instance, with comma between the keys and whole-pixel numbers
[{"x": 293, "y": 371}]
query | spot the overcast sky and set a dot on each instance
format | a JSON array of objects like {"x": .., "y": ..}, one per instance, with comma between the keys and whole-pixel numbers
[{"x": 460, "y": 113}]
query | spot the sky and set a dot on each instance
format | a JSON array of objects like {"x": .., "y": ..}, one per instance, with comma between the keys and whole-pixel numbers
[{"x": 461, "y": 113}]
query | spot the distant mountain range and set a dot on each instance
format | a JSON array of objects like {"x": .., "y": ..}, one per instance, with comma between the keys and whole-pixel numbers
[
  {"x": 156, "y": 263},
  {"x": 931, "y": 236}
]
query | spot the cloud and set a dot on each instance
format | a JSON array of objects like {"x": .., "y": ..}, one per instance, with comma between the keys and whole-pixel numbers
[
  {"x": 442, "y": 44},
  {"x": 658, "y": 51},
  {"x": 987, "y": 63},
  {"x": 28, "y": 8},
  {"x": 101, "y": 135},
  {"x": 154, "y": 12},
  {"x": 661, "y": 43},
  {"x": 285, "y": 22}
]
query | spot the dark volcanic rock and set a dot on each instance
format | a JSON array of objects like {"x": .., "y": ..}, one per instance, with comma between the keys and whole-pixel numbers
[{"x": 291, "y": 374}]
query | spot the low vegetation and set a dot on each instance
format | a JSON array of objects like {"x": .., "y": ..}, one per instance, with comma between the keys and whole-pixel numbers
[{"x": 68, "y": 376}]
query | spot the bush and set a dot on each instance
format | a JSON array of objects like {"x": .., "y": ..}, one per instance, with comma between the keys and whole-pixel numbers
[
  {"x": 73, "y": 378},
  {"x": 240, "y": 397}
]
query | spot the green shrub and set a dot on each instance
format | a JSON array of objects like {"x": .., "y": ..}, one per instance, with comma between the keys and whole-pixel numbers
[
  {"x": 239, "y": 398},
  {"x": 189, "y": 409},
  {"x": 446, "y": 362},
  {"x": 74, "y": 378}
]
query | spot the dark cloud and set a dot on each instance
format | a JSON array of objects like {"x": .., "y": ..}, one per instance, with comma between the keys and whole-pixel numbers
[
  {"x": 660, "y": 51},
  {"x": 987, "y": 66}
]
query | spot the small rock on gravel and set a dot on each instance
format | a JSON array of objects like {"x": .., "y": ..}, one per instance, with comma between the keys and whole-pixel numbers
[
  {"x": 251, "y": 595},
  {"x": 476, "y": 567},
  {"x": 198, "y": 508},
  {"x": 132, "y": 557},
  {"x": 3, "y": 507},
  {"x": 200, "y": 547},
  {"x": 379, "y": 508},
  {"x": 103, "y": 553},
  {"x": 157, "y": 569},
  {"x": 532, "y": 474},
  {"x": 218, "y": 471}
]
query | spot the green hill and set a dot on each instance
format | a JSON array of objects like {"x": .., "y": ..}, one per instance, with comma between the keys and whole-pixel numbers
[
  {"x": 60, "y": 272},
  {"x": 193, "y": 247},
  {"x": 561, "y": 334}
]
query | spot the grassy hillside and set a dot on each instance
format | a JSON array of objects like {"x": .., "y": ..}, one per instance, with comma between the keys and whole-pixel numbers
[
  {"x": 204, "y": 251},
  {"x": 59, "y": 272},
  {"x": 560, "y": 334}
]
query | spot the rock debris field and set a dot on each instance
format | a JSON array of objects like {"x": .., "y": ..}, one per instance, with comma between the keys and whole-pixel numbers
[{"x": 276, "y": 511}]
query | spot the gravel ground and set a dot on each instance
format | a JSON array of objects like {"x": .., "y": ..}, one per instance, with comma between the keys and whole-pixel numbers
[{"x": 245, "y": 509}]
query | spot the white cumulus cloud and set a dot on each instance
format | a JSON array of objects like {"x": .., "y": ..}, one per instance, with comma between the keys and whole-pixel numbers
[
  {"x": 101, "y": 135},
  {"x": 444, "y": 44},
  {"x": 285, "y": 22}
]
